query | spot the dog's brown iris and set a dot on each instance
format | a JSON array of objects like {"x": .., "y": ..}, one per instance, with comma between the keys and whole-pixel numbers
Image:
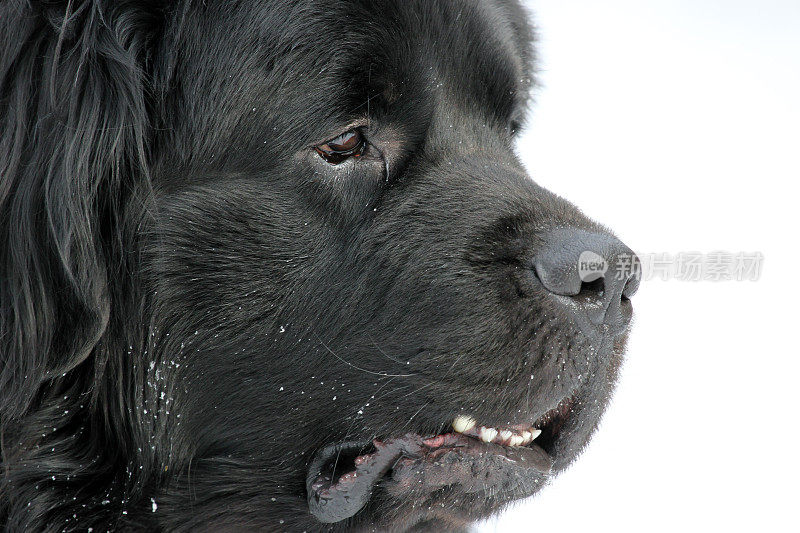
[{"x": 346, "y": 145}]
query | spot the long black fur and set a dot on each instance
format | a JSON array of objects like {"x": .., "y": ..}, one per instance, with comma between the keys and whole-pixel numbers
[{"x": 192, "y": 302}]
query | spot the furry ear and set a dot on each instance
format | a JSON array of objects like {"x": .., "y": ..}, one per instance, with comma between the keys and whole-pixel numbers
[{"x": 73, "y": 122}]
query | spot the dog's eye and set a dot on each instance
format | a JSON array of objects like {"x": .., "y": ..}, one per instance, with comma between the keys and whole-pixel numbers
[{"x": 346, "y": 145}]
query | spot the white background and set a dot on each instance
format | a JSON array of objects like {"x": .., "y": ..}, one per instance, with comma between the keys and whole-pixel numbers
[{"x": 677, "y": 124}]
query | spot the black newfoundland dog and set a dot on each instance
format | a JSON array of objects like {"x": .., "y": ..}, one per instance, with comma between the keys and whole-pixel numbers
[{"x": 274, "y": 266}]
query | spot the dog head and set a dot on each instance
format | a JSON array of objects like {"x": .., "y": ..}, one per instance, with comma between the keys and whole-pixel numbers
[{"x": 272, "y": 265}]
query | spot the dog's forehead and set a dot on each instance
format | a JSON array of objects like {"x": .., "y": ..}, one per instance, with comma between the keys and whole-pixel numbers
[{"x": 328, "y": 59}]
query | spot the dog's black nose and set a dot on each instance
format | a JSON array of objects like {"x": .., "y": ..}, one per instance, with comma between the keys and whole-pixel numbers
[{"x": 594, "y": 272}]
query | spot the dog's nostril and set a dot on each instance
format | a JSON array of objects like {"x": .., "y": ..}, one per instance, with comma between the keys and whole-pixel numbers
[
  {"x": 595, "y": 270},
  {"x": 593, "y": 288}
]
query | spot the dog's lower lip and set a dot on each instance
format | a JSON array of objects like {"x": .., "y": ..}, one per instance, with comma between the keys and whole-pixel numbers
[
  {"x": 342, "y": 476},
  {"x": 332, "y": 498}
]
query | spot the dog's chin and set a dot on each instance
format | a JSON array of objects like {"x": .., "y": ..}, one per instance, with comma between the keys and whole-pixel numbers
[{"x": 453, "y": 478}]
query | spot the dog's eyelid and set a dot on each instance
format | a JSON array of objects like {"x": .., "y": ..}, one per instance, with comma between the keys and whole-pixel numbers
[{"x": 360, "y": 124}]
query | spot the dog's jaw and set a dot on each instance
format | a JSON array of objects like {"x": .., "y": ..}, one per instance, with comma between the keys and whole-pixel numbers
[{"x": 468, "y": 472}]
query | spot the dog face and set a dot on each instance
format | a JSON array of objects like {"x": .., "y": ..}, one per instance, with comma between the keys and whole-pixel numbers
[{"x": 308, "y": 251}]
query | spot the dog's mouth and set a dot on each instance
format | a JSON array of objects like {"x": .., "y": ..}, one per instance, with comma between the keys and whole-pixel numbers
[{"x": 478, "y": 458}]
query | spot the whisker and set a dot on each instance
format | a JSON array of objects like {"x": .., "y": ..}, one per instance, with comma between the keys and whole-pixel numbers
[
  {"x": 382, "y": 374},
  {"x": 382, "y": 352},
  {"x": 438, "y": 381}
]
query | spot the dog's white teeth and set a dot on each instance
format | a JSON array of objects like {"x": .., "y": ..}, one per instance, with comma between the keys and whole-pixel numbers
[
  {"x": 487, "y": 434},
  {"x": 505, "y": 437},
  {"x": 463, "y": 423}
]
